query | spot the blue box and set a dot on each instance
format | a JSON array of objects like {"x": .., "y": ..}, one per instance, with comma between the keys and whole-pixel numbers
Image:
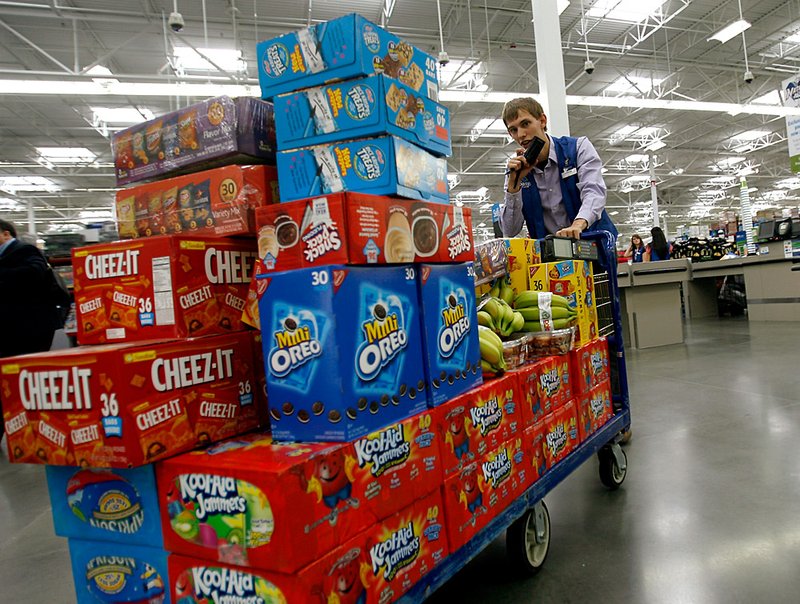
[
  {"x": 385, "y": 165},
  {"x": 342, "y": 350},
  {"x": 109, "y": 505},
  {"x": 449, "y": 330},
  {"x": 115, "y": 573},
  {"x": 343, "y": 48},
  {"x": 369, "y": 106}
]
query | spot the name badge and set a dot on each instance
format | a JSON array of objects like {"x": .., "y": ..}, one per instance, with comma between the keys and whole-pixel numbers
[{"x": 569, "y": 172}]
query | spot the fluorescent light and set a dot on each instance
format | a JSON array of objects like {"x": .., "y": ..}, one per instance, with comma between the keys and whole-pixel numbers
[
  {"x": 729, "y": 31},
  {"x": 12, "y": 184},
  {"x": 490, "y": 123},
  {"x": 482, "y": 191},
  {"x": 102, "y": 75},
  {"x": 88, "y": 89},
  {"x": 122, "y": 115},
  {"x": 747, "y": 171},
  {"x": 751, "y": 135},
  {"x": 773, "y": 97},
  {"x": 789, "y": 183},
  {"x": 561, "y": 6},
  {"x": 636, "y": 158},
  {"x": 95, "y": 214},
  {"x": 656, "y": 145},
  {"x": 11, "y": 205},
  {"x": 625, "y": 131},
  {"x": 614, "y": 213},
  {"x": 727, "y": 162},
  {"x": 632, "y": 84},
  {"x": 66, "y": 155},
  {"x": 625, "y": 10},
  {"x": 463, "y": 74},
  {"x": 676, "y": 172},
  {"x": 794, "y": 38},
  {"x": 228, "y": 59}
]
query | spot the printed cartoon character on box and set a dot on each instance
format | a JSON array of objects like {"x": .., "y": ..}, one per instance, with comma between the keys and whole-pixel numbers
[
  {"x": 331, "y": 482},
  {"x": 212, "y": 585},
  {"x": 457, "y": 436},
  {"x": 347, "y": 580},
  {"x": 125, "y": 579},
  {"x": 471, "y": 493}
]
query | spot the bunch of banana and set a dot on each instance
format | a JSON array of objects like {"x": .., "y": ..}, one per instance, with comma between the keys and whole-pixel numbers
[
  {"x": 492, "y": 359},
  {"x": 502, "y": 290},
  {"x": 498, "y": 316},
  {"x": 561, "y": 313}
]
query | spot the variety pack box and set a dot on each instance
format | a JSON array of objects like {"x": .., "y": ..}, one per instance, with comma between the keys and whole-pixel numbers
[
  {"x": 589, "y": 365},
  {"x": 213, "y": 132},
  {"x": 115, "y": 572},
  {"x": 561, "y": 433},
  {"x": 342, "y": 350},
  {"x": 356, "y": 228},
  {"x": 521, "y": 254},
  {"x": 161, "y": 287},
  {"x": 555, "y": 385},
  {"x": 449, "y": 329},
  {"x": 361, "y": 108},
  {"x": 102, "y": 505},
  {"x": 534, "y": 438},
  {"x": 594, "y": 409},
  {"x": 215, "y": 202},
  {"x": 341, "y": 49},
  {"x": 384, "y": 165},
  {"x": 122, "y": 405}
]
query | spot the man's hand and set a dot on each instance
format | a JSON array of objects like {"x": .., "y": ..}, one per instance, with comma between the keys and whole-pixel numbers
[
  {"x": 574, "y": 230},
  {"x": 514, "y": 164}
]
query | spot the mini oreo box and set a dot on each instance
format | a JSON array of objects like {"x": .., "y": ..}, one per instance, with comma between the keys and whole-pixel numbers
[
  {"x": 360, "y": 108},
  {"x": 450, "y": 330},
  {"x": 111, "y": 573},
  {"x": 589, "y": 365},
  {"x": 385, "y": 165},
  {"x": 161, "y": 287},
  {"x": 342, "y": 351},
  {"x": 594, "y": 409},
  {"x": 122, "y": 405},
  {"x": 119, "y": 505},
  {"x": 340, "y": 49}
]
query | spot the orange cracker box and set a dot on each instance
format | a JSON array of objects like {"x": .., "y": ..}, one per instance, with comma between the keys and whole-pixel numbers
[
  {"x": 121, "y": 405},
  {"x": 161, "y": 287},
  {"x": 534, "y": 438},
  {"x": 521, "y": 254},
  {"x": 594, "y": 409},
  {"x": 589, "y": 365},
  {"x": 561, "y": 433},
  {"x": 555, "y": 387},
  {"x": 215, "y": 202}
]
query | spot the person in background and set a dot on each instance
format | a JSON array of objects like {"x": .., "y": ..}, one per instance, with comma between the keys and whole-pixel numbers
[
  {"x": 658, "y": 249},
  {"x": 563, "y": 192},
  {"x": 636, "y": 249}
]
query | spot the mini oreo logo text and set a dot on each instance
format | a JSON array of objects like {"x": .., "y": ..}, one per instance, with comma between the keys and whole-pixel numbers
[
  {"x": 454, "y": 329},
  {"x": 294, "y": 348},
  {"x": 384, "y": 339}
]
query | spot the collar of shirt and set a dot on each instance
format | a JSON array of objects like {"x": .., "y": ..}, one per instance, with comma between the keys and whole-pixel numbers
[
  {"x": 5, "y": 245},
  {"x": 552, "y": 158}
]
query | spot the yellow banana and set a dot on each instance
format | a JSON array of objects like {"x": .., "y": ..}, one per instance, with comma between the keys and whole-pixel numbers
[
  {"x": 489, "y": 352},
  {"x": 488, "y": 334},
  {"x": 495, "y": 291},
  {"x": 517, "y": 323},
  {"x": 491, "y": 307},
  {"x": 530, "y": 298},
  {"x": 506, "y": 293},
  {"x": 485, "y": 319}
]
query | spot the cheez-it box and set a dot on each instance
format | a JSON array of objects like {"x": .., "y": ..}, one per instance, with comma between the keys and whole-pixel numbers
[
  {"x": 121, "y": 405},
  {"x": 161, "y": 287}
]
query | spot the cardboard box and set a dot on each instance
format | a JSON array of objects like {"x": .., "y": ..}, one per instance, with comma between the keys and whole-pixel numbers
[
  {"x": 215, "y": 202},
  {"x": 101, "y": 505},
  {"x": 341, "y": 49},
  {"x": 210, "y": 133},
  {"x": 534, "y": 438},
  {"x": 385, "y": 165},
  {"x": 449, "y": 328},
  {"x": 506, "y": 473},
  {"x": 465, "y": 512},
  {"x": 356, "y": 228},
  {"x": 561, "y": 433},
  {"x": 534, "y": 406},
  {"x": 555, "y": 386},
  {"x": 589, "y": 365},
  {"x": 521, "y": 254},
  {"x": 594, "y": 409},
  {"x": 161, "y": 287},
  {"x": 122, "y": 405},
  {"x": 361, "y": 108},
  {"x": 344, "y": 358},
  {"x": 112, "y": 572}
]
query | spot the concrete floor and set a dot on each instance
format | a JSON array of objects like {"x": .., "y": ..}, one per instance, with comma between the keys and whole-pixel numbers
[{"x": 709, "y": 512}]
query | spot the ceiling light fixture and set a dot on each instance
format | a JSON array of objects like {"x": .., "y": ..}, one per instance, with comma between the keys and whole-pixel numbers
[
  {"x": 189, "y": 59},
  {"x": 66, "y": 155},
  {"x": 625, "y": 10},
  {"x": 656, "y": 145},
  {"x": 730, "y": 31}
]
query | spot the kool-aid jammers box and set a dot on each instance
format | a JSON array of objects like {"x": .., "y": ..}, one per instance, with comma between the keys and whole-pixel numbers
[
  {"x": 356, "y": 228},
  {"x": 534, "y": 407},
  {"x": 342, "y": 350},
  {"x": 594, "y": 409},
  {"x": 555, "y": 386},
  {"x": 385, "y": 165},
  {"x": 590, "y": 365},
  {"x": 161, "y": 287},
  {"x": 449, "y": 328},
  {"x": 534, "y": 439},
  {"x": 561, "y": 433},
  {"x": 341, "y": 49},
  {"x": 105, "y": 505},
  {"x": 361, "y": 108},
  {"x": 213, "y": 132},
  {"x": 121, "y": 405},
  {"x": 214, "y": 202},
  {"x": 110, "y": 573}
]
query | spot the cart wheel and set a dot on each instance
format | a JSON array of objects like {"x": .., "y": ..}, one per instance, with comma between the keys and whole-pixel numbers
[
  {"x": 613, "y": 466},
  {"x": 528, "y": 540}
]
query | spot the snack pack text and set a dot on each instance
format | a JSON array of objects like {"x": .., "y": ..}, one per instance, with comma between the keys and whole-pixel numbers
[{"x": 486, "y": 417}]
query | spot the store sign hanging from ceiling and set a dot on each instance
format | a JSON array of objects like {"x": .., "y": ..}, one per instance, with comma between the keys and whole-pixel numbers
[{"x": 791, "y": 98}]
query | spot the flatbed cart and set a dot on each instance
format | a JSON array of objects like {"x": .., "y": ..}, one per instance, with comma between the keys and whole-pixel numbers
[{"x": 526, "y": 521}]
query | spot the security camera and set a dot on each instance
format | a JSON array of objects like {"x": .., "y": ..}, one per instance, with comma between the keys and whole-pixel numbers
[
  {"x": 748, "y": 77},
  {"x": 444, "y": 58},
  {"x": 588, "y": 66},
  {"x": 175, "y": 21}
]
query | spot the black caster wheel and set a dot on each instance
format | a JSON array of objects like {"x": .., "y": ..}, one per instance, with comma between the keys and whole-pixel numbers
[
  {"x": 528, "y": 540},
  {"x": 613, "y": 466}
]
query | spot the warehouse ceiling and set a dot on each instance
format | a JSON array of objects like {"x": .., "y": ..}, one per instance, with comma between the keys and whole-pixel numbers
[{"x": 637, "y": 61}]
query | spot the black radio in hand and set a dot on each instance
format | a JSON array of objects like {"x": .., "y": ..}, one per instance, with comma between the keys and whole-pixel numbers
[{"x": 530, "y": 156}]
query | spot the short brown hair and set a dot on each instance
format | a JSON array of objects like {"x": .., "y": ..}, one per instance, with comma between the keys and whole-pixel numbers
[{"x": 512, "y": 108}]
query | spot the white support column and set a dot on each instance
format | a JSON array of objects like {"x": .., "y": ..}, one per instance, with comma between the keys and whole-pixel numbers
[
  {"x": 31, "y": 218},
  {"x": 653, "y": 192},
  {"x": 552, "y": 91}
]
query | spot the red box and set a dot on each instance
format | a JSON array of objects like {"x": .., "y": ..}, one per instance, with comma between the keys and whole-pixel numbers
[
  {"x": 561, "y": 433},
  {"x": 123, "y": 405},
  {"x": 534, "y": 408},
  {"x": 554, "y": 381},
  {"x": 594, "y": 409},
  {"x": 356, "y": 228},
  {"x": 465, "y": 512},
  {"x": 534, "y": 438},
  {"x": 161, "y": 287},
  {"x": 589, "y": 365},
  {"x": 214, "y": 202},
  {"x": 506, "y": 473}
]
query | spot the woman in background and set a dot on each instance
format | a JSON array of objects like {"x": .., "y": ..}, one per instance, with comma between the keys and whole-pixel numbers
[
  {"x": 636, "y": 249},
  {"x": 658, "y": 249}
]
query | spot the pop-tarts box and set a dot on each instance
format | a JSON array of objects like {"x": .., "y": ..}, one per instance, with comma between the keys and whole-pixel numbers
[
  {"x": 449, "y": 329},
  {"x": 360, "y": 108},
  {"x": 385, "y": 165},
  {"x": 343, "y": 48},
  {"x": 342, "y": 350},
  {"x": 92, "y": 503},
  {"x": 111, "y": 573}
]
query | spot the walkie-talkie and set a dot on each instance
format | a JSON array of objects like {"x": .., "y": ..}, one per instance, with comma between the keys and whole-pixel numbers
[{"x": 531, "y": 154}]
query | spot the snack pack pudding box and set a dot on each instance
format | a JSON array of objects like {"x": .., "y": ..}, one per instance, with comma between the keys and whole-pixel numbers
[
  {"x": 118, "y": 505},
  {"x": 361, "y": 108},
  {"x": 215, "y": 202},
  {"x": 161, "y": 287},
  {"x": 114, "y": 572},
  {"x": 590, "y": 365},
  {"x": 375, "y": 566},
  {"x": 341, "y": 49},
  {"x": 385, "y": 165},
  {"x": 449, "y": 329},
  {"x": 594, "y": 409},
  {"x": 122, "y": 405},
  {"x": 342, "y": 350},
  {"x": 214, "y": 132},
  {"x": 561, "y": 433},
  {"x": 358, "y": 228}
]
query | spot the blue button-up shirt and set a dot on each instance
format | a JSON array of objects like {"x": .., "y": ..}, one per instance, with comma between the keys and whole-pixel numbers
[{"x": 5, "y": 245}]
